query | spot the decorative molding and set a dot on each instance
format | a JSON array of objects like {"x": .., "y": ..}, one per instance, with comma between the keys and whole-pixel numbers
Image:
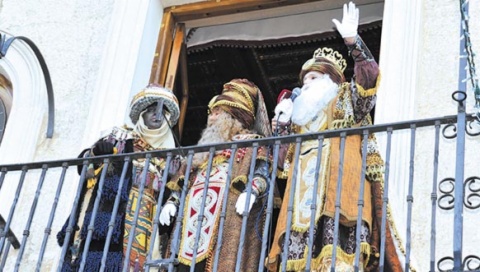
[
  {"x": 29, "y": 107},
  {"x": 21, "y": 66},
  {"x": 121, "y": 70},
  {"x": 396, "y": 96}
]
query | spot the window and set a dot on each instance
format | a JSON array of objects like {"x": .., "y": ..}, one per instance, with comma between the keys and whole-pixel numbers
[{"x": 198, "y": 49}]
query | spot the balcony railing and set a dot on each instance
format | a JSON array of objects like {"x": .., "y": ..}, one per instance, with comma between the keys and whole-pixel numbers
[{"x": 31, "y": 216}]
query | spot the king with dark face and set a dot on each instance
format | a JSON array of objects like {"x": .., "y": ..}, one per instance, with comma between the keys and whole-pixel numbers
[
  {"x": 153, "y": 116},
  {"x": 153, "y": 110}
]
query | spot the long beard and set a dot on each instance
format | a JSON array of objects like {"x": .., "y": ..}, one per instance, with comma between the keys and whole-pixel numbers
[
  {"x": 220, "y": 131},
  {"x": 314, "y": 97}
]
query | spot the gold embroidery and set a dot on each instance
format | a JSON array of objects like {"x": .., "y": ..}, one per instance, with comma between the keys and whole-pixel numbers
[{"x": 369, "y": 92}]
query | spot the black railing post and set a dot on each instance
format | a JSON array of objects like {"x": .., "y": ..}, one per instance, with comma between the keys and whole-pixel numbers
[{"x": 460, "y": 96}]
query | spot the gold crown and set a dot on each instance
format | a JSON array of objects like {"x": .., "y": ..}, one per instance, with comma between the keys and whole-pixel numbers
[{"x": 330, "y": 54}]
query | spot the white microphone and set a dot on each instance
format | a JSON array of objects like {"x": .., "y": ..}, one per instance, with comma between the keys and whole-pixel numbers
[
  {"x": 295, "y": 93},
  {"x": 283, "y": 111}
]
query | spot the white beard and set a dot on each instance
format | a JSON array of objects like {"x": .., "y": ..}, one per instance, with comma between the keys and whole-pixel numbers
[
  {"x": 314, "y": 97},
  {"x": 219, "y": 131},
  {"x": 212, "y": 134}
]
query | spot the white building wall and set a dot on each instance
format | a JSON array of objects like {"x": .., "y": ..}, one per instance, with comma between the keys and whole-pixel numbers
[
  {"x": 71, "y": 37},
  {"x": 99, "y": 53},
  {"x": 419, "y": 61},
  {"x": 439, "y": 70}
]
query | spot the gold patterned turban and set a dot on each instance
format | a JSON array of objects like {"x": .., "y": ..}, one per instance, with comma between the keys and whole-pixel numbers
[{"x": 243, "y": 100}]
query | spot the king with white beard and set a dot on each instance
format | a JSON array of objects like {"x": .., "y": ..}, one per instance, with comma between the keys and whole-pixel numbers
[
  {"x": 237, "y": 114},
  {"x": 328, "y": 102},
  {"x": 315, "y": 96}
]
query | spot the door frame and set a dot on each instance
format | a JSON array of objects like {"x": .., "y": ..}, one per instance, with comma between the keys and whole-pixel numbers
[{"x": 170, "y": 53}]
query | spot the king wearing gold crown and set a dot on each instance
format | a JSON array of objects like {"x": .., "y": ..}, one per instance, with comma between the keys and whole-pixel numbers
[{"x": 328, "y": 102}]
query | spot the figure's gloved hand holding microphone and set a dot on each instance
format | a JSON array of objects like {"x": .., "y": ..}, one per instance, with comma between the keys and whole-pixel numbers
[{"x": 284, "y": 109}]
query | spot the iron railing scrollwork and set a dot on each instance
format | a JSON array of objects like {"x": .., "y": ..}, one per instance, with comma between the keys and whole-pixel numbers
[
  {"x": 446, "y": 188},
  {"x": 469, "y": 263},
  {"x": 472, "y": 125},
  {"x": 471, "y": 190},
  {"x": 471, "y": 193},
  {"x": 449, "y": 131}
]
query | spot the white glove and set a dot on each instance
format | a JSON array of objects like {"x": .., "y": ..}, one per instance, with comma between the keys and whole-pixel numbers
[
  {"x": 285, "y": 107},
  {"x": 349, "y": 25},
  {"x": 168, "y": 211},
  {"x": 242, "y": 199}
]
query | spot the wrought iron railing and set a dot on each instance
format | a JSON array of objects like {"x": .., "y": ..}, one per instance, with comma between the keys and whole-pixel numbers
[{"x": 443, "y": 195}]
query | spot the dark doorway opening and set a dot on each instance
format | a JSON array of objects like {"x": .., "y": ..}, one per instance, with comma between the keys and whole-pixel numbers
[{"x": 273, "y": 65}]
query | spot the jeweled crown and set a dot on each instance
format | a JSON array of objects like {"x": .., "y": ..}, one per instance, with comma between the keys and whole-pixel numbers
[{"x": 331, "y": 55}]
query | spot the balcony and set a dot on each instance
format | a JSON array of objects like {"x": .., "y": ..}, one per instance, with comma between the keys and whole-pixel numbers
[{"x": 436, "y": 231}]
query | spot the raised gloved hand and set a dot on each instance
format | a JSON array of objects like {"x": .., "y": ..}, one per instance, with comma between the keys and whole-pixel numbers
[
  {"x": 349, "y": 25},
  {"x": 102, "y": 148},
  {"x": 283, "y": 111},
  {"x": 242, "y": 199},
  {"x": 167, "y": 212}
]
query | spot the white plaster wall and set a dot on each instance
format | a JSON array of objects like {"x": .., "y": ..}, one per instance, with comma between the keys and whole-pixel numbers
[
  {"x": 439, "y": 70},
  {"x": 418, "y": 84},
  {"x": 98, "y": 55},
  {"x": 71, "y": 36},
  {"x": 438, "y": 77}
]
